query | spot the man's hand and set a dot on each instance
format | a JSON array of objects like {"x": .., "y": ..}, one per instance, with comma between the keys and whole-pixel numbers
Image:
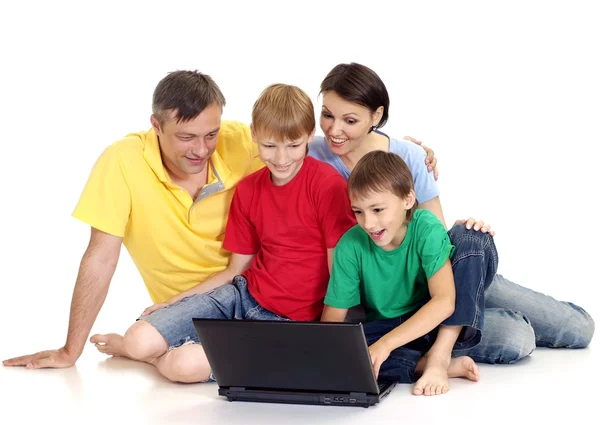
[
  {"x": 154, "y": 308},
  {"x": 430, "y": 160},
  {"x": 95, "y": 273},
  {"x": 52, "y": 358},
  {"x": 379, "y": 353}
]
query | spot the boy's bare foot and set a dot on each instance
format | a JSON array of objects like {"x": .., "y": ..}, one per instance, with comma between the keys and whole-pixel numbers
[
  {"x": 434, "y": 380},
  {"x": 463, "y": 367},
  {"x": 111, "y": 344}
]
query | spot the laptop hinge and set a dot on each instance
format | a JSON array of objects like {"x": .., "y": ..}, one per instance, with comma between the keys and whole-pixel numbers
[{"x": 237, "y": 388}]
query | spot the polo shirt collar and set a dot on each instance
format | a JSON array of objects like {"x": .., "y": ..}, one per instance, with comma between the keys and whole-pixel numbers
[{"x": 220, "y": 171}]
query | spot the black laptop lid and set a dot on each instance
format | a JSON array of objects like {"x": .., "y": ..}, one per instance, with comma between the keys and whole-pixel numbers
[{"x": 276, "y": 355}]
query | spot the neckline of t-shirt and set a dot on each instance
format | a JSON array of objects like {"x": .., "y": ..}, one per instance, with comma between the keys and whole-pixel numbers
[{"x": 291, "y": 182}]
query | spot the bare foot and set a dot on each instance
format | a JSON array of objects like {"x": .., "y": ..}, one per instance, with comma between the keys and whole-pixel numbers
[
  {"x": 463, "y": 367},
  {"x": 434, "y": 380},
  {"x": 111, "y": 344}
]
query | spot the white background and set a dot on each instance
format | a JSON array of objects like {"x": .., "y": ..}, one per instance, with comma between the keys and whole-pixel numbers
[{"x": 506, "y": 93}]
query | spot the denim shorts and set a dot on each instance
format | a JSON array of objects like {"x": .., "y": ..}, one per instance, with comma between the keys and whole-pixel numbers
[{"x": 230, "y": 301}]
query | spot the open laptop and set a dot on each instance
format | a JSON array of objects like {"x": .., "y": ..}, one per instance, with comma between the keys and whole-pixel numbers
[{"x": 291, "y": 362}]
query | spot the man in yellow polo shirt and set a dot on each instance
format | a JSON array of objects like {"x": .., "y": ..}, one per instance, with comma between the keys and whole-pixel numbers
[{"x": 164, "y": 194}]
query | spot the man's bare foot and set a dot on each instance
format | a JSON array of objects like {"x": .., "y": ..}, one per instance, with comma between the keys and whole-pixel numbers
[
  {"x": 463, "y": 367},
  {"x": 111, "y": 344},
  {"x": 434, "y": 380}
]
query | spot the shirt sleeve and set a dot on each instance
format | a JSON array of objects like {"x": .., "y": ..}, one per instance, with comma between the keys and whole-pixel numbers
[
  {"x": 105, "y": 202},
  {"x": 240, "y": 234},
  {"x": 426, "y": 188},
  {"x": 343, "y": 290},
  {"x": 333, "y": 209},
  {"x": 255, "y": 162},
  {"x": 434, "y": 245}
]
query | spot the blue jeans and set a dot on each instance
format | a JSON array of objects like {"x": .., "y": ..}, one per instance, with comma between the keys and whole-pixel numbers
[
  {"x": 518, "y": 319},
  {"x": 474, "y": 264},
  {"x": 230, "y": 301}
]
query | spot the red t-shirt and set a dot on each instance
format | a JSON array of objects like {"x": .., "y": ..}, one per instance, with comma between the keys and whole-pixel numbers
[{"x": 289, "y": 228}]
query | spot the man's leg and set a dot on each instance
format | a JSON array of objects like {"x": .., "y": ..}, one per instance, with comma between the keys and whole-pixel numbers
[
  {"x": 178, "y": 363},
  {"x": 168, "y": 340},
  {"x": 557, "y": 324}
]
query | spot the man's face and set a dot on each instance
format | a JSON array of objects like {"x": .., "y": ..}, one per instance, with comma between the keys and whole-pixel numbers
[{"x": 187, "y": 146}]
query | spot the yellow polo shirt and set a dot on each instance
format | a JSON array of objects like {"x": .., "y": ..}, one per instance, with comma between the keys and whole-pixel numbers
[{"x": 174, "y": 241}]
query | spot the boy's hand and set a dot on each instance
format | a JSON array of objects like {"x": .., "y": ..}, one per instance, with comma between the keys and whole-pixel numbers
[
  {"x": 379, "y": 353},
  {"x": 154, "y": 308}
]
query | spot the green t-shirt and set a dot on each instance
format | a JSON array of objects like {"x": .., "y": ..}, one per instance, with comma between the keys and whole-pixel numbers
[{"x": 388, "y": 283}]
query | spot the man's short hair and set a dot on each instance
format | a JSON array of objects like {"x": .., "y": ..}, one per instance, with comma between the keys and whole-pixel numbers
[
  {"x": 283, "y": 112},
  {"x": 380, "y": 171},
  {"x": 187, "y": 93}
]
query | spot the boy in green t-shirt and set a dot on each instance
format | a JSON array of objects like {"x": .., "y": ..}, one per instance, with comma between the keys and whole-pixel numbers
[{"x": 422, "y": 289}]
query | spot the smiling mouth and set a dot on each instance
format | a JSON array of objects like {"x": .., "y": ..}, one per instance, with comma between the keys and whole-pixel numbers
[
  {"x": 377, "y": 235},
  {"x": 194, "y": 159},
  {"x": 278, "y": 168},
  {"x": 337, "y": 141}
]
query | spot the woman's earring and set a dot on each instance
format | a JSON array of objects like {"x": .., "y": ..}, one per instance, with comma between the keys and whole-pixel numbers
[{"x": 372, "y": 128}]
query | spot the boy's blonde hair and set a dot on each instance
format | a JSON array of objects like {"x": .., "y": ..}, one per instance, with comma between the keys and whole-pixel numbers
[
  {"x": 380, "y": 171},
  {"x": 283, "y": 112}
]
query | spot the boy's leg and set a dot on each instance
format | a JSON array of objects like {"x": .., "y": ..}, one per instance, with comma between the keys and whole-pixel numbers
[
  {"x": 507, "y": 338},
  {"x": 474, "y": 264},
  {"x": 406, "y": 364},
  {"x": 438, "y": 365},
  {"x": 402, "y": 363}
]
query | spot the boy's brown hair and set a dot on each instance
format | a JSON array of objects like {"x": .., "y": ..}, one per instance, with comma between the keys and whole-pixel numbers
[
  {"x": 380, "y": 171},
  {"x": 283, "y": 112}
]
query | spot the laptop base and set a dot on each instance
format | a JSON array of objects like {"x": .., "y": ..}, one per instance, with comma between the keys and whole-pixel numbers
[{"x": 300, "y": 397}]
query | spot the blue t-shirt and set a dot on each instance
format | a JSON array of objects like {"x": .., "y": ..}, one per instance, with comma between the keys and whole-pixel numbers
[{"x": 426, "y": 187}]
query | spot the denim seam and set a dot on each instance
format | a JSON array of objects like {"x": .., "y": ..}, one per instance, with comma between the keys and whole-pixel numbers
[
  {"x": 467, "y": 254},
  {"x": 480, "y": 289},
  {"x": 252, "y": 311},
  {"x": 188, "y": 341},
  {"x": 486, "y": 241},
  {"x": 480, "y": 292}
]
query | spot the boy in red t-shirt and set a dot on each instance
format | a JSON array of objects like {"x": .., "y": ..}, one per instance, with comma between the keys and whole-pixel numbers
[
  {"x": 284, "y": 223},
  {"x": 286, "y": 219}
]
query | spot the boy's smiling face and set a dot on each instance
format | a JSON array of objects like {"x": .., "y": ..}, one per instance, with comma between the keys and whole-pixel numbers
[
  {"x": 283, "y": 158},
  {"x": 382, "y": 215}
]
